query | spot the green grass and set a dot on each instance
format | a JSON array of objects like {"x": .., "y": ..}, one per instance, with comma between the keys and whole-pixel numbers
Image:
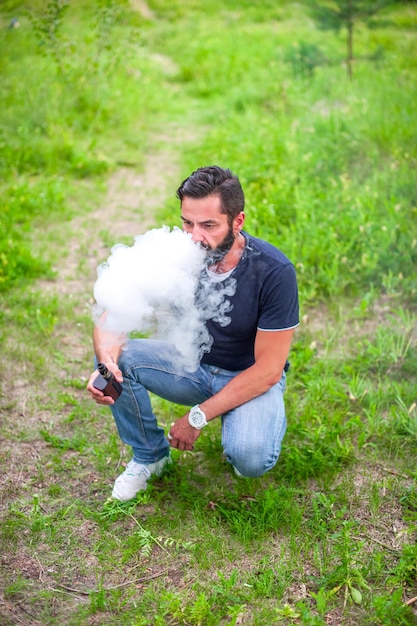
[{"x": 329, "y": 167}]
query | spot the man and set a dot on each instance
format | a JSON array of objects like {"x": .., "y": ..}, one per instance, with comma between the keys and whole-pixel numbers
[{"x": 241, "y": 378}]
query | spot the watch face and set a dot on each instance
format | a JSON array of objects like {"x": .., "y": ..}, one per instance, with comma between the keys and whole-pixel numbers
[{"x": 197, "y": 418}]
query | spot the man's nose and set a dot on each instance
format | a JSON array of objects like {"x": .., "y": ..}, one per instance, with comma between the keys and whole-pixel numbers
[{"x": 197, "y": 235}]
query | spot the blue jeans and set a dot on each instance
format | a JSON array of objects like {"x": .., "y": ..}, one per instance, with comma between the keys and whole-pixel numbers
[{"x": 251, "y": 433}]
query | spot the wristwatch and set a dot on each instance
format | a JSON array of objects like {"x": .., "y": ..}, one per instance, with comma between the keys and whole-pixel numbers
[{"x": 197, "y": 417}]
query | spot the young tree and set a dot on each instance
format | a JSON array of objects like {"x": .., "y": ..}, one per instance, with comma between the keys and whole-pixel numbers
[{"x": 346, "y": 14}]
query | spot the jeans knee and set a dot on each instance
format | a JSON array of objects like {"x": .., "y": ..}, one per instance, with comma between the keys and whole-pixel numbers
[{"x": 251, "y": 463}]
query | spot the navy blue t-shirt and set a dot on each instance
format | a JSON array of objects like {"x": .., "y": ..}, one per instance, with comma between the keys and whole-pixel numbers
[{"x": 261, "y": 293}]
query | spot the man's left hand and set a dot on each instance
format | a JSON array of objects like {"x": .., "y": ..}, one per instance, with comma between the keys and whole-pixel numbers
[{"x": 183, "y": 436}]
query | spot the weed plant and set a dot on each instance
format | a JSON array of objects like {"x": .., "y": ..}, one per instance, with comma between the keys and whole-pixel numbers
[{"x": 328, "y": 165}]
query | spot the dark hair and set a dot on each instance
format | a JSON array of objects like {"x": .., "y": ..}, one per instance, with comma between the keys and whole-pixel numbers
[{"x": 214, "y": 180}]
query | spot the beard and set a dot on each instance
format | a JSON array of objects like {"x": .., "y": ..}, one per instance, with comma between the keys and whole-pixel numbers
[{"x": 215, "y": 255}]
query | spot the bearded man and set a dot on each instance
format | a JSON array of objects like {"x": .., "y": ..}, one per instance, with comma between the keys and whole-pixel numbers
[{"x": 241, "y": 379}]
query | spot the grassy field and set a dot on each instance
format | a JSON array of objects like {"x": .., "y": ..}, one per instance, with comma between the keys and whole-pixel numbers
[{"x": 106, "y": 107}]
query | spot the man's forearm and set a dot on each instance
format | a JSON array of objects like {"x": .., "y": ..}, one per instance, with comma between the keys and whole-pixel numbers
[
  {"x": 271, "y": 352},
  {"x": 107, "y": 346},
  {"x": 244, "y": 387}
]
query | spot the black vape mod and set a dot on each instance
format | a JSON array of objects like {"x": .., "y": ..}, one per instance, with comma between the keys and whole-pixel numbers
[{"x": 107, "y": 383}]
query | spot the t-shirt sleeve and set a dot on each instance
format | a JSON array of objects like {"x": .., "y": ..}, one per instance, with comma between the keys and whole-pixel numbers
[{"x": 279, "y": 308}]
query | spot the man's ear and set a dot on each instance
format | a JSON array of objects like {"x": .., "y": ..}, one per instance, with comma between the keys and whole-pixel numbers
[{"x": 238, "y": 222}]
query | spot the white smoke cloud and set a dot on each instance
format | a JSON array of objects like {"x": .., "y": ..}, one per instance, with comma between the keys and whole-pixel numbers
[{"x": 151, "y": 287}]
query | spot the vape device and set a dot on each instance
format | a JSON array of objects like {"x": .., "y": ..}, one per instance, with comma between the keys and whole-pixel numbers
[{"x": 107, "y": 383}]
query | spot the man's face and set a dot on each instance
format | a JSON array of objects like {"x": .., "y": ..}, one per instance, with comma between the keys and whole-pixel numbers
[{"x": 208, "y": 226}]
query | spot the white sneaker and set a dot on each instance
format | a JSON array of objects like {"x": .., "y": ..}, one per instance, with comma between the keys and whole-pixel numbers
[{"x": 135, "y": 478}]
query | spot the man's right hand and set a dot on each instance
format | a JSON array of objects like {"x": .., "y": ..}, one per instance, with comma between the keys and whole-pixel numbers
[{"x": 97, "y": 395}]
